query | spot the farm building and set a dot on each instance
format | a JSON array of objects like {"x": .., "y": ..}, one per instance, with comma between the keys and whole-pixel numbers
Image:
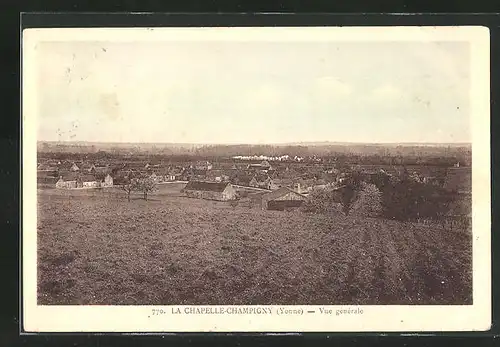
[
  {"x": 210, "y": 190},
  {"x": 282, "y": 199},
  {"x": 283, "y": 182},
  {"x": 108, "y": 181},
  {"x": 74, "y": 180},
  {"x": 88, "y": 181},
  {"x": 100, "y": 169},
  {"x": 156, "y": 178},
  {"x": 264, "y": 165},
  {"x": 67, "y": 181},
  {"x": 243, "y": 179},
  {"x": 169, "y": 177},
  {"x": 263, "y": 181},
  {"x": 217, "y": 176},
  {"x": 194, "y": 175},
  {"x": 304, "y": 186}
]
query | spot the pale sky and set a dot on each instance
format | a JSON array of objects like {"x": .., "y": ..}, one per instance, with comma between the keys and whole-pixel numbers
[{"x": 254, "y": 92}]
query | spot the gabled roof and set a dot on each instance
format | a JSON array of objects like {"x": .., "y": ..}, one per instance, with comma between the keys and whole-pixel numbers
[
  {"x": 242, "y": 179},
  {"x": 87, "y": 178},
  {"x": 69, "y": 176},
  {"x": 102, "y": 169},
  {"x": 279, "y": 193},
  {"x": 101, "y": 176},
  {"x": 214, "y": 173},
  {"x": 206, "y": 186},
  {"x": 262, "y": 177},
  {"x": 198, "y": 172},
  {"x": 74, "y": 176},
  {"x": 283, "y": 181},
  {"x": 306, "y": 182}
]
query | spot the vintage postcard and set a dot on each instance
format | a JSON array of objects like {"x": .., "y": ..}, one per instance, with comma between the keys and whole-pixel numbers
[{"x": 256, "y": 179}]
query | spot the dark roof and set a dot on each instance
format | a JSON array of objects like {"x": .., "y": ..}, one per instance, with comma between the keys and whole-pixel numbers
[
  {"x": 206, "y": 186},
  {"x": 242, "y": 180},
  {"x": 197, "y": 172},
  {"x": 280, "y": 192},
  {"x": 69, "y": 176},
  {"x": 283, "y": 181},
  {"x": 73, "y": 176},
  {"x": 459, "y": 180},
  {"x": 262, "y": 177},
  {"x": 214, "y": 173},
  {"x": 307, "y": 182},
  {"x": 87, "y": 178},
  {"x": 102, "y": 169},
  {"x": 101, "y": 175}
]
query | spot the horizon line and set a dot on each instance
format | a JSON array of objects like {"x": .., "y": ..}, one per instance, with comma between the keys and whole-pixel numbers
[{"x": 259, "y": 144}]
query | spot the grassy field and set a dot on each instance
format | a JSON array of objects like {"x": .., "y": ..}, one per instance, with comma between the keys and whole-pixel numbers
[{"x": 97, "y": 248}]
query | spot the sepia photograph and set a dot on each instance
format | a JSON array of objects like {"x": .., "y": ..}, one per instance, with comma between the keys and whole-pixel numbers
[{"x": 260, "y": 179}]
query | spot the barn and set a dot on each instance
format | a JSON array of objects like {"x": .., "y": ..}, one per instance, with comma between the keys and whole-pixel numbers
[
  {"x": 108, "y": 181},
  {"x": 263, "y": 181},
  {"x": 282, "y": 199},
  {"x": 221, "y": 191},
  {"x": 75, "y": 180}
]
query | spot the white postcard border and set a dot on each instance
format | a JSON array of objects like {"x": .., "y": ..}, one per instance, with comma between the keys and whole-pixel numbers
[{"x": 373, "y": 318}]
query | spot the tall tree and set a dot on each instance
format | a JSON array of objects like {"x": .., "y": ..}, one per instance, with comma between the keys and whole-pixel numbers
[
  {"x": 350, "y": 191},
  {"x": 146, "y": 185},
  {"x": 130, "y": 185}
]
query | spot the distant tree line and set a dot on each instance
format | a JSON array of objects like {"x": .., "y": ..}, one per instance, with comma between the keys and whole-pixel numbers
[{"x": 443, "y": 157}]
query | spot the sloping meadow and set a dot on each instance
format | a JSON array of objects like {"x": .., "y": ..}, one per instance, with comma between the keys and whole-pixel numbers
[{"x": 105, "y": 250}]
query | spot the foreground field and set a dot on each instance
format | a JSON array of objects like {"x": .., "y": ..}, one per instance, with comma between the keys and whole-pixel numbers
[{"x": 100, "y": 249}]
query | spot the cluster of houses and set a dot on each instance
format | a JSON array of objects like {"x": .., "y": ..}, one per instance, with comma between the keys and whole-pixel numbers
[
  {"x": 68, "y": 175},
  {"x": 279, "y": 186}
]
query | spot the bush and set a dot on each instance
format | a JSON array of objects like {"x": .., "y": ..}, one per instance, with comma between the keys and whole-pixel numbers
[
  {"x": 349, "y": 194},
  {"x": 321, "y": 201},
  {"x": 407, "y": 200},
  {"x": 368, "y": 202}
]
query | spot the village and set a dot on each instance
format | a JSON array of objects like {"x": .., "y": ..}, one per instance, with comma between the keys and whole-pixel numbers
[
  {"x": 209, "y": 219},
  {"x": 271, "y": 183}
]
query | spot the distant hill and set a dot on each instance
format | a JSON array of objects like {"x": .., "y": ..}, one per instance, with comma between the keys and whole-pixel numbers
[
  {"x": 292, "y": 149},
  {"x": 71, "y": 144}
]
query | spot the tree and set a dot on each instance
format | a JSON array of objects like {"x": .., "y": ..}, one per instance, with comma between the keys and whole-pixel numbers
[
  {"x": 130, "y": 185},
  {"x": 350, "y": 191},
  {"x": 146, "y": 185}
]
